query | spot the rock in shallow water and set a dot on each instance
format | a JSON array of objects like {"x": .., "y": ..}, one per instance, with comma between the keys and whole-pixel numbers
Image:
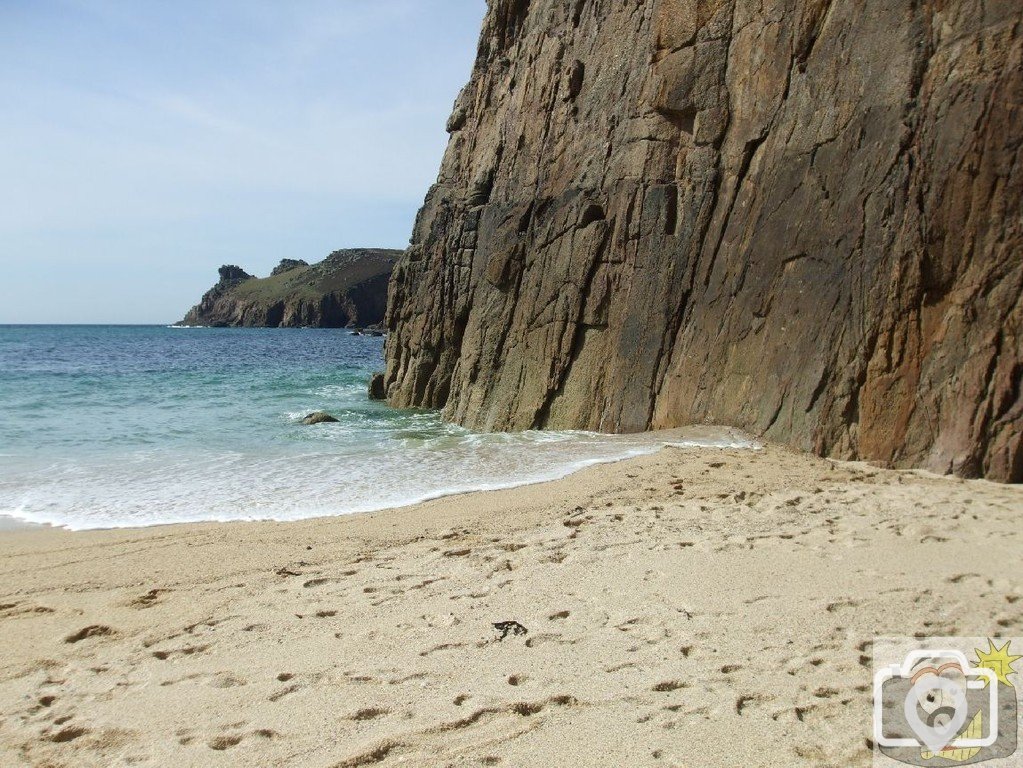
[
  {"x": 376, "y": 387},
  {"x": 319, "y": 417}
]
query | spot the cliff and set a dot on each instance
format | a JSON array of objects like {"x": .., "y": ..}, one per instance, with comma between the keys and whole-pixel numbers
[
  {"x": 349, "y": 287},
  {"x": 797, "y": 217}
]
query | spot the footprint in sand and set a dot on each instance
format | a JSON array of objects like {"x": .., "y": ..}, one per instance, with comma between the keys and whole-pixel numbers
[
  {"x": 750, "y": 700},
  {"x": 151, "y": 598},
  {"x": 668, "y": 686},
  {"x": 838, "y": 605},
  {"x": 442, "y": 647},
  {"x": 220, "y": 743},
  {"x": 24, "y": 610},
  {"x": 283, "y": 692},
  {"x": 188, "y": 650},
  {"x": 217, "y": 680},
  {"x": 369, "y": 713},
  {"x": 961, "y": 577},
  {"x": 93, "y": 630},
  {"x": 227, "y": 740},
  {"x": 376, "y": 755},
  {"x": 68, "y": 734}
]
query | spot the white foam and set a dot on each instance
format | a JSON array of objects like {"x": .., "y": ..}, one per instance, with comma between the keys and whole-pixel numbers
[{"x": 155, "y": 489}]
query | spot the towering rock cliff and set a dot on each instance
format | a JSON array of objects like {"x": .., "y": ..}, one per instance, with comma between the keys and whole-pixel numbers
[
  {"x": 348, "y": 287},
  {"x": 798, "y": 217}
]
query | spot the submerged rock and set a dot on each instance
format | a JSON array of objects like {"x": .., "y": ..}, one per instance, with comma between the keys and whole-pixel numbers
[{"x": 319, "y": 417}]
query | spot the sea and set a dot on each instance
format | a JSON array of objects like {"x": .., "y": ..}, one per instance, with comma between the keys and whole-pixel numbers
[{"x": 128, "y": 426}]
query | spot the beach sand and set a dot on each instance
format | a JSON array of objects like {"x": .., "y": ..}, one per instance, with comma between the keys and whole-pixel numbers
[{"x": 691, "y": 608}]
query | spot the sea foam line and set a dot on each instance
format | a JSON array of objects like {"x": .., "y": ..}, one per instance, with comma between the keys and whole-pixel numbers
[{"x": 389, "y": 499}]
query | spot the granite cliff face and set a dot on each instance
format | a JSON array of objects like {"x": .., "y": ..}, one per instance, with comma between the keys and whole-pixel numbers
[
  {"x": 797, "y": 217},
  {"x": 349, "y": 287}
]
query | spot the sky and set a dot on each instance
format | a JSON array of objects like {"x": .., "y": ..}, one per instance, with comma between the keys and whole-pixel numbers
[{"x": 144, "y": 144}]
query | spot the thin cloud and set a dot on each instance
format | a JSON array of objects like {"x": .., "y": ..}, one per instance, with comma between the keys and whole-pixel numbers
[{"x": 151, "y": 134}]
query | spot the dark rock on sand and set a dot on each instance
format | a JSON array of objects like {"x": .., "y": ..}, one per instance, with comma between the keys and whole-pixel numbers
[{"x": 509, "y": 628}]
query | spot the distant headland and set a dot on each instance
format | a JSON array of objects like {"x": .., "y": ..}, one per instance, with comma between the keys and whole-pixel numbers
[{"x": 348, "y": 288}]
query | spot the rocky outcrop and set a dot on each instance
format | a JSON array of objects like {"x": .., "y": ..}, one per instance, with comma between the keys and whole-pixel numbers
[
  {"x": 797, "y": 217},
  {"x": 376, "y": 387},
  {"x": 287, "y": 265},
  {"x": 349, "y": 287},
  {"x": 232, "y": 275},
  {"x": 319, "y": 417}
]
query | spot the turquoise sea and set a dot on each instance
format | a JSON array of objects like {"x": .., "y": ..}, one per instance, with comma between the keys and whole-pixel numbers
[{"x": 117, "y": 426}]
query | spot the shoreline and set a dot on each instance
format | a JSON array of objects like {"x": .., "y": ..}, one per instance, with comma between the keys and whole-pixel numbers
[
  {"x": 695, "y": 436},
  {"x": 10, "y": 522},
  {"x": 670, "y": 602}
]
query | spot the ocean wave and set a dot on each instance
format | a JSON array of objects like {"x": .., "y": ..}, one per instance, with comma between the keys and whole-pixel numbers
[
  {"x": 156, "y": 489},
  {"x": 173, "y": 428}
]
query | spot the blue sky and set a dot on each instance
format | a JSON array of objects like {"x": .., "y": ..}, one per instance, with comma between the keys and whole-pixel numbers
[{"x": 144, "y": 144}]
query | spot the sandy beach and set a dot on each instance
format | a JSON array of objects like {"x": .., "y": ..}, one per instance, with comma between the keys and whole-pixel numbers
[{"x": 693, "y": 608}]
